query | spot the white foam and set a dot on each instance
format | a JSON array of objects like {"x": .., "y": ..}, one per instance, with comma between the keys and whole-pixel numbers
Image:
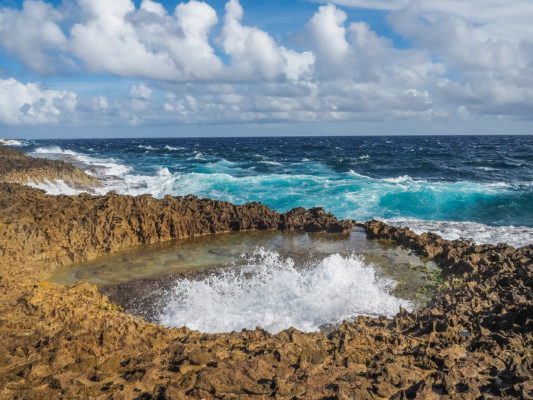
[
  {"x": 399, "y": 179},
  {"x": 172, "y": 148},
  {"x": 516, "y": 236},
  {"x": 105, "y": 168},
  {"x": 163, "y": 172},
  {"x": 12, "y": 142},
  {"x": 54, "y": 150},
  {"x": 269, "y": 162},
  {"x": 269, "y": 291},
  {"x": 141, "y": 146},
  {"x": 56, "y": 187},
  {"x": 358, "y": 175},
  {"x": 99, "y": 167}
]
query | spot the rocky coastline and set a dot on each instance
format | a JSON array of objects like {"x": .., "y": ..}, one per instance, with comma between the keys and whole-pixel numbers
[
  {"x": 17, "y": 167},
  {"x": 473, "y": 341}
]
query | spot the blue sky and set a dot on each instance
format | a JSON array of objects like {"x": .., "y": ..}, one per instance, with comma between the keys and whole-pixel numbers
[{"x": 78, "y": 68}]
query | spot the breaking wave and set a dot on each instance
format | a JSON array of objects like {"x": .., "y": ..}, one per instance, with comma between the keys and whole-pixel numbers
[
  {"x": 516, "y": 236},
  {"x": 13, "y": 142},
  {"x": 99, "y": 167},
  {"x": 272, "y": 292}
]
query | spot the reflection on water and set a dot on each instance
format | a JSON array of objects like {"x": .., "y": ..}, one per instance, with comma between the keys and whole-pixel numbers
[{"x": 195, "y": 255}]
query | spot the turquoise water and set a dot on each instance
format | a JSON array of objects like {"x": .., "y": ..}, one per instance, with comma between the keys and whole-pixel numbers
[{"x": 474, "y": 186}]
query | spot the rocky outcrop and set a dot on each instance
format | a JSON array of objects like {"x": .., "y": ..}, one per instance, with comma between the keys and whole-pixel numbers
[
  {"x": 474, "y": 340},
  {"x": 66, "y": 229},
  {"x": 17, "y": 167},
  {"x": 459, "y": 258},
  {"x": 313, "y": 220}
]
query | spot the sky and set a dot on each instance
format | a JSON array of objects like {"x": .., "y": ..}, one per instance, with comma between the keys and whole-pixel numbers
[{"x": 102, "y": 68}]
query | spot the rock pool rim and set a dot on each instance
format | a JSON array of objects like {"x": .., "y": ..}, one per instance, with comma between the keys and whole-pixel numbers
[{"x": 487, "y": 293}]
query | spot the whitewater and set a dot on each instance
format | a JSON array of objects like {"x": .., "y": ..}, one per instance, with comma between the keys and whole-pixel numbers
[
  {"x": 271, "y": 292},
  {"x": 479, "y": 188}
]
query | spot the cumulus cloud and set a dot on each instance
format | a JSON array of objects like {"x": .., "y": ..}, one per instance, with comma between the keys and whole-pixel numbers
[
  {"x": 485, "y": 45},
  {"x": 33, "y": 35},
  {"x": 31, "y": 104},
  {"x": 107, "y": 42},
  {"x": 254, "y": 52},
  {"x": 147, "y": 42},
  {"x": 190, "y": 65}
]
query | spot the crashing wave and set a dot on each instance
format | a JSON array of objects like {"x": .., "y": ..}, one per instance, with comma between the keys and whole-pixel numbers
[
  {"x": 272, "y": 292},
  {"x": 516, "y": 236}
]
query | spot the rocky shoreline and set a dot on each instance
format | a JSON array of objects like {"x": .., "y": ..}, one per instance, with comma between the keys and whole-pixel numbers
[
  {"x": 17, "y": 167},
  {"x": 474, "y": 340}
]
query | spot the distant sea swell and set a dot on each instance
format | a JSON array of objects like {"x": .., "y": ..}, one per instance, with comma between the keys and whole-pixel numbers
[{"x": 475, "y": 187}]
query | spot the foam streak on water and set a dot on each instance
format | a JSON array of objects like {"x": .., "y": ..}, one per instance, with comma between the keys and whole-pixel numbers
[
  {"x": 436, "y": 185},
  {"x": 13, "y": 142},
  {"x": 269, "y": 291},
  {"x": 516, "y": 236}
]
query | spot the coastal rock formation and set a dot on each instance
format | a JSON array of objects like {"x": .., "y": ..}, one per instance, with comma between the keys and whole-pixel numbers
[
  {"x": 473, "y": 341},
  {"x": 66, "y": 229},
  {"x": 313, "y": 220},
  {"x": 17, "y": 167}
]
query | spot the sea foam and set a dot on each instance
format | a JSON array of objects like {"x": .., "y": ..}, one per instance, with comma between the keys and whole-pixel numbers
[
  {"x": 516, "y": 236},
  {"x": 99, "y": 167},
  {"x": 13, "y": 142},
  {"x": 272, "y": 292}
]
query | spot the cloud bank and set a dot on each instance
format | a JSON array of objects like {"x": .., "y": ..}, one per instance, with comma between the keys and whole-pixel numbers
[{"x": 465, "y": 61}]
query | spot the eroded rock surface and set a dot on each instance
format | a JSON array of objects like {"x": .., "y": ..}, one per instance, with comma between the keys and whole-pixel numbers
[
  {"x": 64, "y": 229},
  {"x": 474, "y": 341}
]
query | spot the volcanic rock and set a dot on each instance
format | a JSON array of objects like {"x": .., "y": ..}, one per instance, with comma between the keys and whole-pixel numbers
[{"x": 473, "y": 341}]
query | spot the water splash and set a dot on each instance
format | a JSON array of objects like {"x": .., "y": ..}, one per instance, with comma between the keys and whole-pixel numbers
[{"x": 272, "y": 292}]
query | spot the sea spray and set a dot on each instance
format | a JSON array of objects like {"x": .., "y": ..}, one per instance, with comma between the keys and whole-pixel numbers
[
  {"x": 516, "y": 236},
  {"x": 453, "y": 181},
  {"x": 272, "y": 292}
]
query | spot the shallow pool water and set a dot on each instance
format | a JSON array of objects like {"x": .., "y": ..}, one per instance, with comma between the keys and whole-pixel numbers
[{"x": 274, "y": 279}]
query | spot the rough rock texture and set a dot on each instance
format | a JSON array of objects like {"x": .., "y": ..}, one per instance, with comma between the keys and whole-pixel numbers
[
  {"x": 64, "y": 229},
  {"x": 15, "y": 166},
  {"x": 474, "y": 341}
]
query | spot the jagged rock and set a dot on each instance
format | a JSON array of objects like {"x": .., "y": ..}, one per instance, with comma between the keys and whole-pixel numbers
[
  {"x": 474, "y": 340},
  {"x": 65, "y": 229}
]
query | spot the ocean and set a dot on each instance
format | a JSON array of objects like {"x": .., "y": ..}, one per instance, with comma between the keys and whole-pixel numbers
[{"x": 478, "y": 187}]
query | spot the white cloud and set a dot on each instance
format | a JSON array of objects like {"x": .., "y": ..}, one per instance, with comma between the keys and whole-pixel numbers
[
  {"x": 153, "y": 7},
  {"x": 31, "y": 104},
  {"x": 253, "y": 52},
  {"x": 33, "y": 35},
  {"x": 189, "y": 65},
  {"x": 140, "y": 91},
  {"x": 117, "y": 38},
  {"x": 327, "y": 36},
  {"x": 108, "y": 43}
]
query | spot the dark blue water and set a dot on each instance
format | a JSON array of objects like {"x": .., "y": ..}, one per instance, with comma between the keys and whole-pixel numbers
[{"x": 459, "y": 179}]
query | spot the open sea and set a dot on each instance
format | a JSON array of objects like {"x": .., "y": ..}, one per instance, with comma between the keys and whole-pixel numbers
[{"x": 478, "y": 187}]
